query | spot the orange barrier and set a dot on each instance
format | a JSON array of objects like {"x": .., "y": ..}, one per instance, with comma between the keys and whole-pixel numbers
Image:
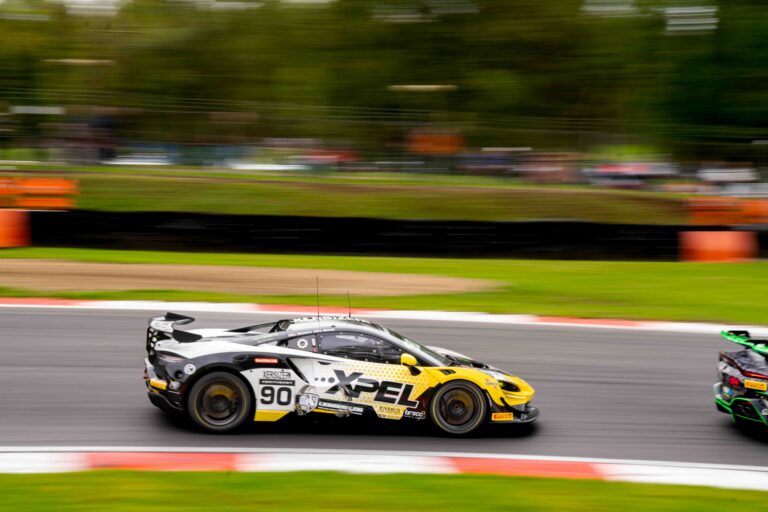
[
  {"x": 755, "y": 211},
  {"x": 714, "y": 211},
  {"x": 14, "y": 228},
  {"x": 7, "y": 192},
  {"x": 723, "y": 211},
  {"x": 718, "y": 246},
  {"x": 45, "y": 193},
  {"x": 435, "y": 144}
]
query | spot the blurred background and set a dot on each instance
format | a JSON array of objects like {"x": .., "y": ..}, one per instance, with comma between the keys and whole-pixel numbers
[
  {"x": 577, "y": 150},
  {"x": 568, "y": 91}
]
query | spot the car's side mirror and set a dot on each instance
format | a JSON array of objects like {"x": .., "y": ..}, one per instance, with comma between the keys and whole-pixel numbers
[{"x": 411, "y": 362}]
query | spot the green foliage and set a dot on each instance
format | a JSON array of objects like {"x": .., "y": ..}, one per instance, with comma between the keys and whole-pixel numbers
[{"x": 528, "y": 71}]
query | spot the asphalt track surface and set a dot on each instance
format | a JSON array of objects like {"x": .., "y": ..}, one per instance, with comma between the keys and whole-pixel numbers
[{"x": 74, "y": 378}]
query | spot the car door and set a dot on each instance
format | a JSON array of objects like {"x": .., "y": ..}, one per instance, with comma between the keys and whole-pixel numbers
[
  {"x": 278, "y": 390},
  {"x": 362, "y": 372}
]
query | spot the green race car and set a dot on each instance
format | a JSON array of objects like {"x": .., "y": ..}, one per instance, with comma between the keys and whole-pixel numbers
[{"x": 742, "y": 390}]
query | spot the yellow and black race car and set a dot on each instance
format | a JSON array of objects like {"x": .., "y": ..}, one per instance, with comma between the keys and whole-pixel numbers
[{"x": 335, "y": 365}]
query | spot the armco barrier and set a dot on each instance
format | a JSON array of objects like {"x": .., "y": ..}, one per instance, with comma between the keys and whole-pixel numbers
[
  {"x": 357, "y": 236},
  {"x": 314, "y": 235}
]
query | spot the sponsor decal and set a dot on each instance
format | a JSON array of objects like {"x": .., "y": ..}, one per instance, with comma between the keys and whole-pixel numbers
[
  {"x": 388, "y": 409},
  {"x": 333, "y": 406},
  {"x": 491, "y": 383},
  {"x": 386, "y": 391},
  {"x": 302, "y": 343},
  {"x": 411, "y": 413},
  {"x": 277, "y": 374},
  {"x": 265, "y": 360},
  {"x": 277, "y": 382},
  {"x": 502, "y": 416},
  {"x": 189, "y": 369},
  {"x": 753, "y": 384}
]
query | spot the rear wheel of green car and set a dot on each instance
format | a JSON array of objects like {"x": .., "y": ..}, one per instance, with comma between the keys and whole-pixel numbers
[
  {"x": 458, "y": 408},
  {"x": 219, "y": 402}
]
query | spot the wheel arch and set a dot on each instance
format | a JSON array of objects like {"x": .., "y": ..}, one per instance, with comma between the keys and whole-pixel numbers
[{"x": 479, "y": 379}]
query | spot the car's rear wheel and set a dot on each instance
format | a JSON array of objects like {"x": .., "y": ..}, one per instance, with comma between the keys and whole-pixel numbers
[
  {"x": 458, "y": 408},
  {"x": 219, "y": 402}
]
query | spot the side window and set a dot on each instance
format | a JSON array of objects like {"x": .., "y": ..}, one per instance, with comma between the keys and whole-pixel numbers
[
  {"x": 307, "y": 343},
  {"x": 360, "y": 347}
]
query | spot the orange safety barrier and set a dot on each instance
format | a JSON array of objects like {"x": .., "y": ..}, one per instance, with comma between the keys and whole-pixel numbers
[
  {"x": 435, "y": 144},
  {"x": 44, "y": 193},
  {"x": 14, "y": 228},
  {"x": 7, "y": 192},
  {"x": 755, "y": 211},
  {"x": 718, "y": 246},
  {"x": 723, "y": 211},
  {"x": 715, "y": 211}
]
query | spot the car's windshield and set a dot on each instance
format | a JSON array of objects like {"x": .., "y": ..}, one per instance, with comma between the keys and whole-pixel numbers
[{"x": 419, "y": 349}]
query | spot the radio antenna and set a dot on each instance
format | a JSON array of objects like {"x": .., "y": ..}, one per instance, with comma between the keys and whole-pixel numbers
[
  {"x": 349, "y": 305},
  {"x": 317, "y": 294}
]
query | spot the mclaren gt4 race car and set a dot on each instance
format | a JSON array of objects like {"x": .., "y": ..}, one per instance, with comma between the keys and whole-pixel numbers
[
  {"x": 342, "y": 366},
  {"x": 742, "y": 388}
]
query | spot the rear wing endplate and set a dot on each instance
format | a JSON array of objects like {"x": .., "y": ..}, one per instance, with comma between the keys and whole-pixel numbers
[{"x": 166, "y": 325}]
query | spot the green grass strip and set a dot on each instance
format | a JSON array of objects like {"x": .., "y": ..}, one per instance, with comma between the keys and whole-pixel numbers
[
  {"x": 373, "y": 195},
  {"x": 118, "y": 491},
  {"x": 732, "y": 293}
]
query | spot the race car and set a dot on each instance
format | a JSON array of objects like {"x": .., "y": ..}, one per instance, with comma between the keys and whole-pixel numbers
[
  {"x": 224, "y": 378},
  {"x": 742, "y": 389}
]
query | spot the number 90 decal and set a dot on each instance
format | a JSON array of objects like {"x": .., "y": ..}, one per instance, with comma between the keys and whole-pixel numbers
[{"x": 280, "y": 395}]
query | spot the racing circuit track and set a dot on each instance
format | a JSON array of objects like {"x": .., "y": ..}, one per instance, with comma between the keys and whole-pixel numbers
[{"x": 74, "y": 378}]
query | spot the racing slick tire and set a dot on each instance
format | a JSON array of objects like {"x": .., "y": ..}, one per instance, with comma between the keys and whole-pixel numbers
[
  {"x": 219, "y": 402},
  {"x": 458, "y": 408}
]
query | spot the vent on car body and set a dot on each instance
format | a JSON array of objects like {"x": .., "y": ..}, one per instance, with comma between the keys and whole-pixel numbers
[{"x": 746, "y": 409}]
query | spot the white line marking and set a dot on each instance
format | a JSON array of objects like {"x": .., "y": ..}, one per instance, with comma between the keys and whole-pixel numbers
[
  {"x": 436, "y": 316},
  {"x": 320, "y": 451}
]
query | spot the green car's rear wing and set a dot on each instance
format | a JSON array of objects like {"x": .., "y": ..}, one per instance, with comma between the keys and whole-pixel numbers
[{"x": 743, "y": 338}]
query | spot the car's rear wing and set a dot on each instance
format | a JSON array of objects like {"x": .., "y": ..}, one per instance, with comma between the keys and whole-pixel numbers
[
  {"x": 743, "y": 338},
  {"x": 164, "y": 327}
]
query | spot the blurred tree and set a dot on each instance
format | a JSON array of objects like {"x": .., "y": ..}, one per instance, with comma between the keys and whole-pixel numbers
[{"x": 558, "y": 73}]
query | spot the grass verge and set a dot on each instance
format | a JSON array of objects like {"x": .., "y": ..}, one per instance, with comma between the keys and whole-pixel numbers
[
  {"x": 122, "y": 491},
  {"x": 377, "y": 195},
  {"x": 730, "y": 293}
]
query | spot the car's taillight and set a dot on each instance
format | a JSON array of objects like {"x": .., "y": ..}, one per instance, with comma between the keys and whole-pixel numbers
[
  {"x": 166, "y": 358},
  {"x": 755, "y": 375},
  {"x": 734, "y": 382}
]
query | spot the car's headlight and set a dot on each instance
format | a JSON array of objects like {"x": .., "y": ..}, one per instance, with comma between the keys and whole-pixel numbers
[
  {"x": 496, "y": 375},
  {"x": 504, "y": 383}
]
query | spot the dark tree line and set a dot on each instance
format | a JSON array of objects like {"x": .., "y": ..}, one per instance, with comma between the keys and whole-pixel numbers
[{"x": 551, "y": 73}]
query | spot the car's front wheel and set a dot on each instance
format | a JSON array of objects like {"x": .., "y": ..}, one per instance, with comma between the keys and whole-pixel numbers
[
  {"x": 219, "y": 402},
  {"x": 458, "y": 408}
]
